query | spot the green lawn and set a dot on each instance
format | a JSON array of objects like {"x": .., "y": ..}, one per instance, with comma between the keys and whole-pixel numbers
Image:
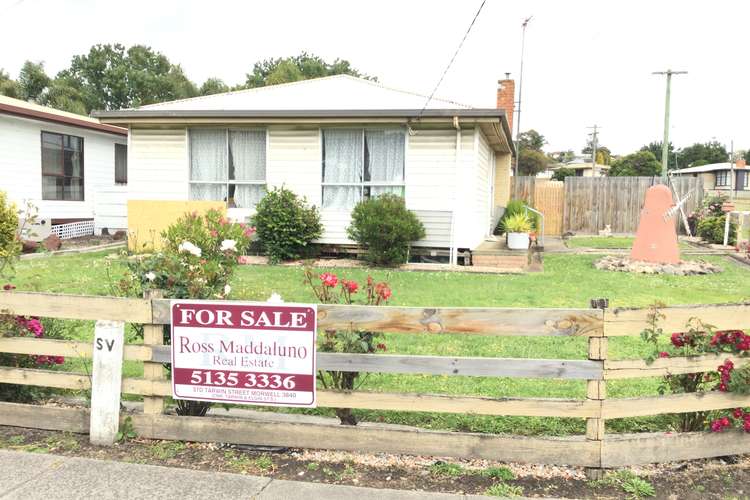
[
  {"x": 567, "y": 281},
  {"x": 607, "y": 242}
]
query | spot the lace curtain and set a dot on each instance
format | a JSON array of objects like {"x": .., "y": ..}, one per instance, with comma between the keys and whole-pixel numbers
[
  {"x": 343, "y": 162},
  {"x": 247, "y": 162}
]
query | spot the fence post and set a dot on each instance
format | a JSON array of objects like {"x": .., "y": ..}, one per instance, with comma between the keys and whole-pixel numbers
[
  {"x": 596, "y": 390},
  {"x": 106, "y": 382},
  {"x": 153, "y": 335}
]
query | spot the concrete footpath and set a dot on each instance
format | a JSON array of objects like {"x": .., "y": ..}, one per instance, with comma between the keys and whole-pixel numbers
[{"x": 31, "y": 476}]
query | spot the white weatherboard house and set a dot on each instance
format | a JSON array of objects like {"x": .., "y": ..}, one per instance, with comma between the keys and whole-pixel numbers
[
  {"x": 71, "y": 167},
  {"x": 334, "y": 140}
]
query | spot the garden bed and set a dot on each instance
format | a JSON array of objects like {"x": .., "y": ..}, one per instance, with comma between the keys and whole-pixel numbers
[{"x": 701, "y": 479}]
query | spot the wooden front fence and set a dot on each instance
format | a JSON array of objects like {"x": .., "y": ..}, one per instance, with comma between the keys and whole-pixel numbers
[
  {"x": 585, "y": 205},
  {"x": 594, "y": 450}
]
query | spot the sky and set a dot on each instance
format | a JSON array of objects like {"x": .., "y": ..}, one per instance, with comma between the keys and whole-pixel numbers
[{"x": 585, "y": 63}]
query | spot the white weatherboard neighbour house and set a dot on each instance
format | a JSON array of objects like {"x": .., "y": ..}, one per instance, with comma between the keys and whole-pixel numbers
[
  {"x": 64, "y": 164},
  {"x": 334, "y": 140}
]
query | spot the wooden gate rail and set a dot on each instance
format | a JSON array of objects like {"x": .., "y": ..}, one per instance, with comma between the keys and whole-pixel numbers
[{"x": 594, "y": 450}]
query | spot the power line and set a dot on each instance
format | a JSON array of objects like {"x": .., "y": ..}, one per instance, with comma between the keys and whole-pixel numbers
[{"x": 458, "y": 49}]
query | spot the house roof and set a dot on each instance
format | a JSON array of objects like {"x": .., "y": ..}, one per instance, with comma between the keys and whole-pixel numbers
[
  {"x": 339, "y": 97},
  {"x": 17, "y": 107},
  {"x": 339, "y": 92},
  {"x": 577, "y": 165},
  {"x": 711, "y": 167}
]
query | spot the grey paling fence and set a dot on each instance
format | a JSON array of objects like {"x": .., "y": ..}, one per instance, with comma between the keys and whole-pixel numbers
[
  {"x": 594, "y": 450},
  {"x": 592, "y": 203}
]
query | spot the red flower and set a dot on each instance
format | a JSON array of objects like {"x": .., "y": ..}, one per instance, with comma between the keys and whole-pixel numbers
[
  {"x": 381, "y": 346},
  {"x": 214, "y": 233},
  {"x": 350, "y": 286},
  {"x": 746, "y": 425},
  {"x": 59, "y": 360},
  {"x": 678, "y": 340},
  {"x": 664, "y": 354},
  {"x": 329, "y": 279},
  {"x": 8, "y": 286},
  {"x": 249, "y": 231},
  {"x": 383, "y": 291},
  {"x": 738, "y": 413}
]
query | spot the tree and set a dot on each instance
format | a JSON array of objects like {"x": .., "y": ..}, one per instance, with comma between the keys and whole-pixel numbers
[
  {"x": 531, "y": 162},
  {"x": 640, "y": 163},
  {"x": 603, "y": 153},
  {"x": 531, "y": 139},
  {"x": 294, "y": 68},
  {"x": 561, "y": 173},
  {"x": 8, "y": 86},
  {"x": 746, "y": 155},
  {"x": 655, "y": 147},
  {"x": 711, "y": 152},
  {"x": 213, "y": 86},
  {"x": 111, "y": 77},
  {"x": 33, "y": 80}
]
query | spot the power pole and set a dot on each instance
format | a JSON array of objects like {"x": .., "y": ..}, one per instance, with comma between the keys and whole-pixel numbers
[
  {"x": 594, "y": 143},
  {"x": 520, "y": 91},
  {"x": 665, "y": 143}
]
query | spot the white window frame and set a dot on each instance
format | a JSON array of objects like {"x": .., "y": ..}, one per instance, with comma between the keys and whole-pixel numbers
[
  {"x": 725, "y": 178},
  {"x": 229, "y": 181},
  {"x": 362, "y": 184}
]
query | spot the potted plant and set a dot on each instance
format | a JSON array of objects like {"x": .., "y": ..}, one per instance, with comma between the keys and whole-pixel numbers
[{"x": 517, "y": 228}]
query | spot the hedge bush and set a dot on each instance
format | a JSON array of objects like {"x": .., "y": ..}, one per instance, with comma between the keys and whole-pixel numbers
[
  {"x": 386, "y": 228},
  {"x": 286, "y": 225},
  {"x": 711, "y": 229}
]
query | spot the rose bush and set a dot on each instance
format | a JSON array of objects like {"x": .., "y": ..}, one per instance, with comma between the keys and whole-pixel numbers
[
  {"x": 199, "y": 257},
  {"x": 329, "y": 289},
  {"x": 700, "y": 339}
]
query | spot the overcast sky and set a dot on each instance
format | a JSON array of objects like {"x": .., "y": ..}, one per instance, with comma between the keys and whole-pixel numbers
[{"x": 586, "y": 62}]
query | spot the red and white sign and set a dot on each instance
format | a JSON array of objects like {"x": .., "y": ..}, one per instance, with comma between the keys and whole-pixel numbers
[{"x": 239, "y": 352}]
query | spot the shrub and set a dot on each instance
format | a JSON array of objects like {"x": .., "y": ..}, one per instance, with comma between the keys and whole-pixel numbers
[
  {"x": 286, "y": 225},
  {"x": 517, "y": 223},
  {"x": 711, "y": 229},
  {"x": 27, "y": 326},
  {"x": 517, "y": 207},
  {"x": 561, "y": 173},
  {"x": 199, "y": 257},
  {"x": 386, "y": 228},
  {"x": 329, "y": 289},
  {"x": 10, "y": 244}
]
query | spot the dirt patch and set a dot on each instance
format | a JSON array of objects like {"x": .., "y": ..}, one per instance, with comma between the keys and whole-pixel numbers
[
  {"x": 87, "y": 241},
  {"x": 703, "y": 479}
]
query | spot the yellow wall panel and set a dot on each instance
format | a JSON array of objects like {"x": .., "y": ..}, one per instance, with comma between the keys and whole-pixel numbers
[{"x": 148, "y": 218}]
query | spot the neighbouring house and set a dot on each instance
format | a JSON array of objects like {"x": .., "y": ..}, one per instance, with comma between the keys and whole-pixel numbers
[
  {"x": 718, "y": 178},
  {"x": 583, "y": 167},
  {"x": 334, "y": 140},
  {"x": 71, "y": 167}
]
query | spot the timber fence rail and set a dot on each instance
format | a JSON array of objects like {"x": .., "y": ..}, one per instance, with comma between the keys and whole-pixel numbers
[{"x": 594, "y": 450}]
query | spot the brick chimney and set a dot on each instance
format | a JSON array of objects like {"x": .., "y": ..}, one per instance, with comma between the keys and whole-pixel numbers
[
  {"x": 740, "y": 163},
  {"x": 506, "y": 98}
]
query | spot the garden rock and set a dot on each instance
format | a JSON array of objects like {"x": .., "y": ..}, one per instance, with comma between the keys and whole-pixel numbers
[
  {"x": 28, "y": 246},
  {"x": 52, "y": 242},
  {"x": 119, "y": 235},
  {"x": 682, "y": 268}
]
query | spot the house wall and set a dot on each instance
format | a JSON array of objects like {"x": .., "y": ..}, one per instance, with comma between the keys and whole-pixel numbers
[
  {"x": 438, "y": 178},
  {"x": 483, "y": 187},
  {"x": 502, "y": 178},
  {"x": 21, "y": 167}
]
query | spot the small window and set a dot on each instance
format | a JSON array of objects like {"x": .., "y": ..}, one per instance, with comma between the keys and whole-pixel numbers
[
  {"x": 228, "y": 165},
  {"x": 361, "y": 163},
  {"x": 62, "y": 167},
  {"x": 121, "y": 164},
  {"x": 722, "y": 178}
]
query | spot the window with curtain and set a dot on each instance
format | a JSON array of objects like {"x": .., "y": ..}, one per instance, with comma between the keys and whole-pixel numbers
[
  {"x": 121, "y": 164},
  {"x": 361, "y": 163},
  {"x": 62, "y": 167},
  {"x": 228, "y": 165},
  {"x": 722, "y": 178}
]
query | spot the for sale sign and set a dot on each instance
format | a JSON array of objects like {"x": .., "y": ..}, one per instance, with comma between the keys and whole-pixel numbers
[{"x": 252, "y": 353}]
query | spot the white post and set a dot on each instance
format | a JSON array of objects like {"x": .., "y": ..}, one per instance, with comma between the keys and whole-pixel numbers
[
  {"x": 727, "y": 216},
  {"x": 106, "y": 382}
]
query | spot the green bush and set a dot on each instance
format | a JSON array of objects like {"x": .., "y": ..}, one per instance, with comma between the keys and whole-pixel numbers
[
  {"x": 711, "y": 229},
  {"x": 286, "y": 225},
  {"x": 516, "y": 207},
  {"x": 10, "y": 245},
  {"x": 386, "y": 228}
]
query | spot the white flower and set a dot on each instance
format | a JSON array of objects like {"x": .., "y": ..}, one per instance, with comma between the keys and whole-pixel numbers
[
  {"x": 188, "y": 247},
  {"x": 150, "y": 276},
  {"x": 275, "y": 298},
  {"x": 227, "y": 289},
  {"x": 228, "y": 245}
]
